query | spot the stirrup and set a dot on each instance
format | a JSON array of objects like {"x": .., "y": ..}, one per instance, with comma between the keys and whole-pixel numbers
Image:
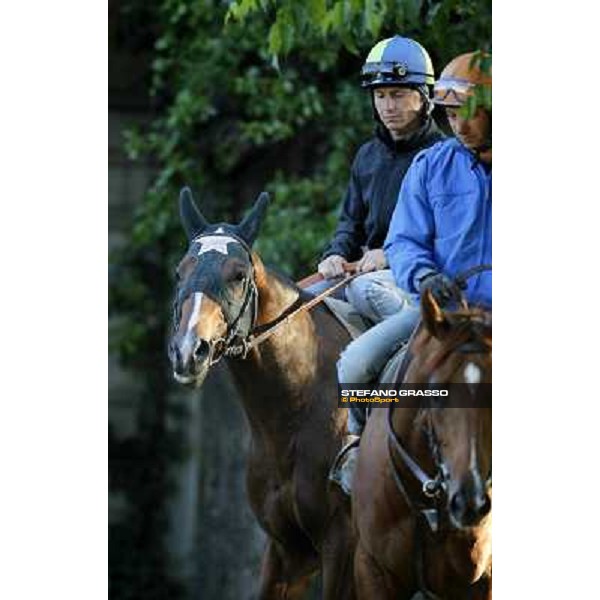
[{"x": 344, "y": 464}]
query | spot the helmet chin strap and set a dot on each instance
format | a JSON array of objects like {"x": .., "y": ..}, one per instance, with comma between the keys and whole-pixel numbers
[
  {"x": 487, "y": 145},
  {"x": 482, "y": 148},
  {"x": 479, "y": 152},
  {"x": 428, "y": 104}
]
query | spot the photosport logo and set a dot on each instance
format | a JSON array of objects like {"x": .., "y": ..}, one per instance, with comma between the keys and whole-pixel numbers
[{"x": 416, "y": 395}]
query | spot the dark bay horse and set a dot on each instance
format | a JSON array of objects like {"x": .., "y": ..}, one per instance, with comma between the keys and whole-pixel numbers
[
  {"x": 422, "y": 489},
  {"x": 287, "y": 384}
]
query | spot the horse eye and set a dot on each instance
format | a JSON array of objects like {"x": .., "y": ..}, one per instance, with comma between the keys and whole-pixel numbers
[{"x": 239, "y": 277}]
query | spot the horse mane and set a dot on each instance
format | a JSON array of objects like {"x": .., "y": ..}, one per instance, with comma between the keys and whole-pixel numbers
[
  {"x": 285, "y": 280},
  {"x": 432, "y": 354},
  {"x": 282, "y": 277}
]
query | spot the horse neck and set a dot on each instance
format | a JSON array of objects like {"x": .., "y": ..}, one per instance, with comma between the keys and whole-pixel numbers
[
  {"x": 276, "y": 375},
  {"x": 405, "y": 424}
]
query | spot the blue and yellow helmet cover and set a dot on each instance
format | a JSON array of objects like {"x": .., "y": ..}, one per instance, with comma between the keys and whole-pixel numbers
[{"x": 397, "y": 61}]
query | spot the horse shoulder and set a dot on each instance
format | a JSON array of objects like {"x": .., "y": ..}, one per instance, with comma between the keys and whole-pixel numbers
[{"x": 382, "y": 519}]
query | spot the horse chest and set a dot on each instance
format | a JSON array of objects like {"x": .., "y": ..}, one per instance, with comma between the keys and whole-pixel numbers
[
  {"x": 286, "y": 504},
  {"x": 270, "y": 491}
]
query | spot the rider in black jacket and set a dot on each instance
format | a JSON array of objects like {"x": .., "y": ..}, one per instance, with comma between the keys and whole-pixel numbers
[
  {"x": 377, "y": 172},
  {"x": 399, "y": 75}
]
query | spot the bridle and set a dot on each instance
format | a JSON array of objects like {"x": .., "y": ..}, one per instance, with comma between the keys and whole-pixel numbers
[
  {"x": 430, "y": 506},
  {"x": 433, "y": 489},
  {"x": 232, "y": 343},
  {"x": 237, "y": 343}
]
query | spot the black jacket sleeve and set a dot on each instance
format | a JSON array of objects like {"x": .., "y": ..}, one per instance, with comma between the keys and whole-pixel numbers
[{"x": 350, "y": 234}]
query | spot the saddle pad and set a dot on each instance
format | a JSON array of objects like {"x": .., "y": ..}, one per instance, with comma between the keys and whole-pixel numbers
[
  {"x": 348, "y": 316},
  {"x": 391, "y": 368}
]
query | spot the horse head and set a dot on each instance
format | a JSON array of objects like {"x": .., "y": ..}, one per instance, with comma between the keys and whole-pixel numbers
[
  {"x": 216, "y": 298},
  {"x": 456, "y": 348}
]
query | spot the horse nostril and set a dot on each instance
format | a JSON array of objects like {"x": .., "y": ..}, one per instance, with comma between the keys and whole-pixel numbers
[
  {"x": 457, "y": 505},
  {"x": 201, "y": 350},
  {"x": 468, "y": 511},
  {"x": 486, "y": 506},
  {"x": 175, "y": 356}
]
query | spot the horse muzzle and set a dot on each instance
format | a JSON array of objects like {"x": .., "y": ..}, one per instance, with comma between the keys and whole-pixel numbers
[
  {"x": 190, "y": 358},
  {"x": 468, "y": 506}
]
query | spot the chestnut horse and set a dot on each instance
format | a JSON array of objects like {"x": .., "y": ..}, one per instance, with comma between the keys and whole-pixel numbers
[
  {"x": 421, "y": 497},
  {"x": 225, "y": 296}
]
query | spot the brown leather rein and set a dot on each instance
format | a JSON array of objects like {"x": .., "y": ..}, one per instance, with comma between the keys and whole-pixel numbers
[
  {"x": 286, "y": 316},
  {"x": 262, "y": 332}
]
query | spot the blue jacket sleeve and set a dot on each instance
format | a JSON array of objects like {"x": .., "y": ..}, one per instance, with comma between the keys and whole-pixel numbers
[{"x": 409, "y": 242}]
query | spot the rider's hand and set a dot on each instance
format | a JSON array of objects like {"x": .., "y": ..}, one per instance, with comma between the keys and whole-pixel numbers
[
  {"x": 443, "y": 289},
  {"x": 372, "y": 260},
  {"x": 332, "y": 266}
]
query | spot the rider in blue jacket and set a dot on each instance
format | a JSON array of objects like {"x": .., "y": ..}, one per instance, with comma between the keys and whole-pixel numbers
[{"x": 441, "y": 226}]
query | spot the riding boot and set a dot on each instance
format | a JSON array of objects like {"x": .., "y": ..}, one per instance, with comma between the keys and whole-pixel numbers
[{"x": 344, "y": 464}]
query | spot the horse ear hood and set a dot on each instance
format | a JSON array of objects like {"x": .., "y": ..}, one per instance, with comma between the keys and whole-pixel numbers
[
  {"x": 248, "y": 228},
  {"x": 434, "y": 318},
  {"x": 191, "y": 218}
]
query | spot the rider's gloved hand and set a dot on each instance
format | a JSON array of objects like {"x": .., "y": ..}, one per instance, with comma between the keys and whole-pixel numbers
[
  {"x": 443, "y": 289},
  {"x": 332, "y": 266}
]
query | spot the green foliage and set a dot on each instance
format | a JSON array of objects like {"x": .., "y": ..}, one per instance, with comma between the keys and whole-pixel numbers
[
  {"x": 447, "y": 27},
  {"x": 483, "y": 94}
]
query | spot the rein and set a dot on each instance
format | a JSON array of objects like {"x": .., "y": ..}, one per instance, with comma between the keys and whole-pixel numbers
[
  {"x": 289, "y": 313},
  {"x": 432, "y": 488},
  {"x": 461, "y": 279}
]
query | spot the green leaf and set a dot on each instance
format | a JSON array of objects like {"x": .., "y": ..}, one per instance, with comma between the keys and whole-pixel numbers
[
  {"x": 469, "y": 109},
  {"x": 317, "y": 11},
  {"x": 373, "y": 17},
  {"x": 413, "y": 8},
  {"x": 240, "y": 10},
  {"x": 275, "y": 39}
]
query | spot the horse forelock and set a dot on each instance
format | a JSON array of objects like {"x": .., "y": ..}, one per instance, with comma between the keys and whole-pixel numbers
[{"x": 443, "y": 357}]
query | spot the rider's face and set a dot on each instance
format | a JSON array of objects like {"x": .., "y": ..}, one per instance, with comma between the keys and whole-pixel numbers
[
  {"x": 474, "y": 132},
  {"x": 398, "y": 108}
]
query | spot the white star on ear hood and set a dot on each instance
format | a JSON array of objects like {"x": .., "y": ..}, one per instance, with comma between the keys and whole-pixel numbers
[{"x": 214, "y": 242}]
